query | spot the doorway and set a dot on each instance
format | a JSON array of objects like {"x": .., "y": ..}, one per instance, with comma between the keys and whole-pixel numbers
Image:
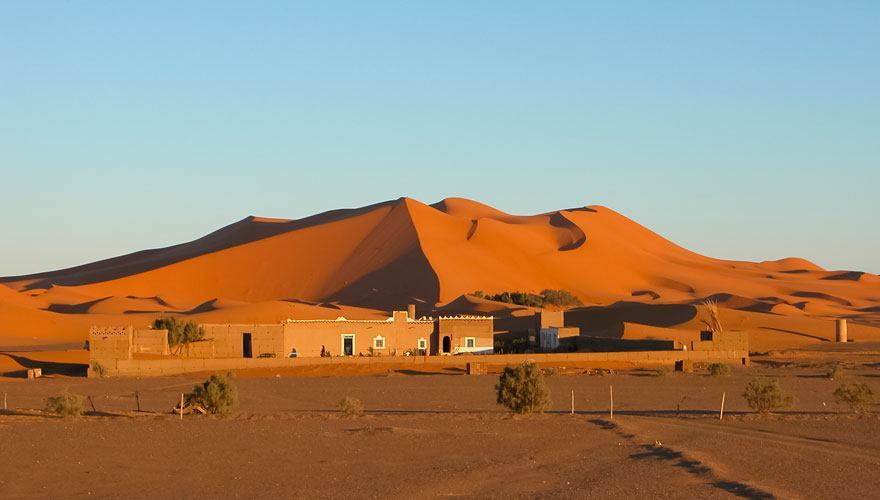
[
  {"x": 348, "y": 345},
  {"x": 247, "y": 347},
  {"x": 447, "y": 344}
]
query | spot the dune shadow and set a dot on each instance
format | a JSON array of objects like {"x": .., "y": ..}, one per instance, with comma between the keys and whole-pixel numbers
[
  {"x": 604, "y": 319},
  {"x": 49, "y": 367},
  {"x": 81, "y": 308},
  {"x": 822, "y": 339}
]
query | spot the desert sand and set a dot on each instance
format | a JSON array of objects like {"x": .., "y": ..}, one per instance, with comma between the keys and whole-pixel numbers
[
  {"x": 440, "y": 435},
  {"x": 362, "y": 263}
]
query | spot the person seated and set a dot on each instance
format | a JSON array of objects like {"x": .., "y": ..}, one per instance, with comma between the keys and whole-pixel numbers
[{"x": 292, "y": 352}]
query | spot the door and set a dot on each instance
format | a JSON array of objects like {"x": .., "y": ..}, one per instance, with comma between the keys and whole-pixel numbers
[
  {"x": 247, "y": 349},
  {"x": 348, "y": 345},
  {"x": 447, "y": 344}
]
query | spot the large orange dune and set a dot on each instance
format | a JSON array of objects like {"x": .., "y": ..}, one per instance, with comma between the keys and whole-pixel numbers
[{"x": 364, "y": 262}]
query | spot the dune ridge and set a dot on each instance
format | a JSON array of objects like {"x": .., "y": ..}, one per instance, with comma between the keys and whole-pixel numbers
[{"x": 376, "y": 258}]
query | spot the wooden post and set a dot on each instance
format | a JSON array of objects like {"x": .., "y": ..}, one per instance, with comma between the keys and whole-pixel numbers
[
  {"x": 572, "y": 402},
  {"x": 181, "y": 406},
  {"x": 92, "y": 403},
  {"x": 611, "y": 391},
  {"x": 721, "y": 415},
  {"x": 137, "y": 398},
  {"x": 4, "y": 400}
]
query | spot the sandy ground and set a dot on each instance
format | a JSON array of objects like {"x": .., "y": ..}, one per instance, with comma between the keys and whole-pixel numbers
[{"x": 441, "y": 436}]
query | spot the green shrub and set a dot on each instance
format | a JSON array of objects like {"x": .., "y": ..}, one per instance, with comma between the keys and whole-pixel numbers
[
  {"x": 98, "y": 369},
  {"x": 856, "y": 395},
  {"x": 351, "y": 407},
  {"x": 218, "y": 394},
  {"x": 547, "y": 297},
  {"x": 180, "y": 334},
  {"x": 764, "y": 396},
  {"x": 522, "y": 390},
  {"x": 719, "y": 370},
  {"x": 66, "y": 405},
  {"x": 836, "y": 373}
]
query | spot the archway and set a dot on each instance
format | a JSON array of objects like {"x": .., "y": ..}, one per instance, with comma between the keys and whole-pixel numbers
[{"x": 447, "y": 344}]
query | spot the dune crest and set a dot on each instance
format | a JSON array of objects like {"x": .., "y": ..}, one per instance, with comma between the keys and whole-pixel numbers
[{"x": 381, "y": 256}]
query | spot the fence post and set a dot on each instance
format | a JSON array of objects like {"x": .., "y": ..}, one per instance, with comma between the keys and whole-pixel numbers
[
  {"x": 572, "y": 402},
  {"x": 721, "y": 415},
  {"x": 181, "y": 406},
  {"x": 611, "y": 391}
]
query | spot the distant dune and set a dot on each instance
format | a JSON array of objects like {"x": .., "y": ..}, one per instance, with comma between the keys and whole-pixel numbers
[{"x": 363, "y": 262}]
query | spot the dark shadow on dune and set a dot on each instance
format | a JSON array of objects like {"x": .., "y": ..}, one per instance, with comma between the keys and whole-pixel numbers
[
  {"x": 846, "y": 276},
  {"x": 606, "y": 319},
  {"x": 576, "y": 235},
  {"x": 49, "y": 367},
  {"x": 247, "y": 230},
  {"x": 81, "y": 308},
  {"x": 155, "y": 298},
  {"x": 407, "y": 279},
  {"x": 822, "y": 296},
  {"x": 796, "y": 333},
  {"x": 207, "y": 306},
  {"x": 473, "y": 229},
  {"x": 643, "y": 293}
]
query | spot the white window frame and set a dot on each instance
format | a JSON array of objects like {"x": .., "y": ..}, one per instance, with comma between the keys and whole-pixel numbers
[
  {"x": 422, "y": 344},
  {"x": 378, "y": 338},
  {"x": 472, "y": 341}
]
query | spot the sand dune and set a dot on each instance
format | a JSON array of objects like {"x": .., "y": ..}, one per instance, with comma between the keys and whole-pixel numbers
[{"x": 377, "y": 258}]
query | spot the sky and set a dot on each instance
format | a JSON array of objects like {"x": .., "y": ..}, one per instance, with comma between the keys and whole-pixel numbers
[{"x": 740, "y": 130}]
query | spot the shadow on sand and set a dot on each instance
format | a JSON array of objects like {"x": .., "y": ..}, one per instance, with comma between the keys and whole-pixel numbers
[{"x": 47, "y": 367}]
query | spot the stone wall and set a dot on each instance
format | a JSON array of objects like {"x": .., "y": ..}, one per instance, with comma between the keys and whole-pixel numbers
[
  {"x": 722, "y": 341},
  {"x": 160, "y": 367},
  {"x": 110, "y": 342},
  {"x": 148, "y": 341}
]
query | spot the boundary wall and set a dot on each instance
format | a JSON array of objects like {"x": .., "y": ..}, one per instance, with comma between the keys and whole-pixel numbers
[{"x": 634, "y": 359}]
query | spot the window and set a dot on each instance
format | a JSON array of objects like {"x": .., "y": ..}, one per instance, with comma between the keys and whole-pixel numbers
[
  {"x": 423, "y": 344},
  {"x": 470, "y": 342},
  {"x": 379, "y": 342}
]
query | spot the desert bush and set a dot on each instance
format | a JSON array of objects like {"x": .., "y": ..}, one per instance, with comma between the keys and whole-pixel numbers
[
  {"x": 764, "y": 396},
  {"x": 218, "y": 394},
  {"x": 719, "y": 370},
  {"x": 836, "y": 372},
  {"x": 179, "y": 333},
  {"x": 547, "y": 297},
  {"x": 856, "y": 395},
  {"x": 549, "y": 372},
  {"x": 351, "y": 407},
  {"x": 98, "y": 369},
  {"x": 713, "y": 322},
  {"x": 66, "y": 405},
  {"x": 522, "y": 390}
]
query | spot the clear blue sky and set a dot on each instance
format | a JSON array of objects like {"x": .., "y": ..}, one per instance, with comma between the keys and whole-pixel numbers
[{"x": 744, "y": 130}]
